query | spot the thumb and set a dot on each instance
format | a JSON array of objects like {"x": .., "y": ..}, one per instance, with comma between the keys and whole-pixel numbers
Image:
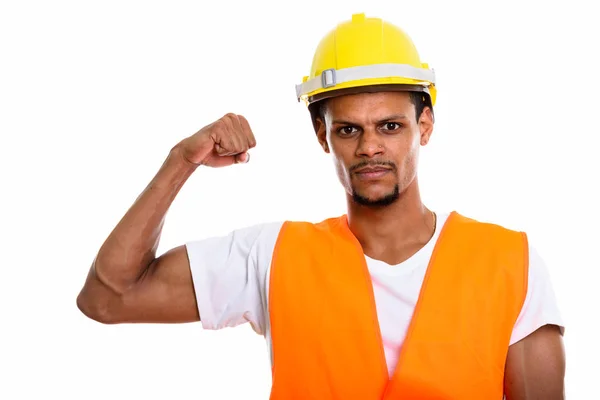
[{"x": 242, "y": 158}]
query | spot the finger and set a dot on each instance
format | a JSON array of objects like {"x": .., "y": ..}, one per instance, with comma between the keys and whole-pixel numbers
[
  {"x": 233, "y": 135},
  {"x": 220, "y": 137},
  {"x": 249, "y": 135},
  {"x": 240, "y": 136},
  {"x": 221, "y": 151},
  {"x": 222, "y": 161},
  {"x": 242, "y": 158}
]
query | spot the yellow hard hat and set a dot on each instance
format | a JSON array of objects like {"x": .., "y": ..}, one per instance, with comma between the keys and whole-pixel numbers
[{"x": 365, "y": 54}]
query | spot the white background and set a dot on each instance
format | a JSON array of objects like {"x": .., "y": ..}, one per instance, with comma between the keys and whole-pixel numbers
[{"x": 94, "y": 94}]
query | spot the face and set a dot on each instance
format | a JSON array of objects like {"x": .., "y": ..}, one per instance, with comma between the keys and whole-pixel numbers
[{"x": 374, "y": 139}]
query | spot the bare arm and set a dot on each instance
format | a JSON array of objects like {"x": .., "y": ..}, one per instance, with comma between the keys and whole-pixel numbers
[
  {"x": 535, "y": 367},
  {"x": 126, "y": 282}
]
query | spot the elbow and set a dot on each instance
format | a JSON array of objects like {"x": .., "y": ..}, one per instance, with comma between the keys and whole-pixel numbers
[
  {"x": 97, "y": 308},
  {"x": 97, "y": 300}
]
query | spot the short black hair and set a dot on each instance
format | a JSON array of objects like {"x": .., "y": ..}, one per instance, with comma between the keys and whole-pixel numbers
[{"x": 419, "y": 99}]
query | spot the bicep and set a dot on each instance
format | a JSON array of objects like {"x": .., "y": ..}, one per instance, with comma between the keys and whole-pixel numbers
[
  {"x": 220, "y": 280},
  {"x": 535, "y": 366},
  {"x": 163, "y": 294}
]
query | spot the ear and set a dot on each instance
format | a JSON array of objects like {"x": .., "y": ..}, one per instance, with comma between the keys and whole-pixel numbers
[
  {"x": 322, "y": 134},
  {"x": 426, "y": 125}
]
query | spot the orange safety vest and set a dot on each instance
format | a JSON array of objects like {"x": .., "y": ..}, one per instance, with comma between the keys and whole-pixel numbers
[{"x": 325, "y": 335}]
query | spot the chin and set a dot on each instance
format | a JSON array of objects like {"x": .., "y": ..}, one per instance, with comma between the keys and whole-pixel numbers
[{"x": 379, "y": 199}]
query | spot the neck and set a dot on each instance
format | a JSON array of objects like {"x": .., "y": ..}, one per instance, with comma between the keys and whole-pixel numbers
[{"x": 392, "y": 233}]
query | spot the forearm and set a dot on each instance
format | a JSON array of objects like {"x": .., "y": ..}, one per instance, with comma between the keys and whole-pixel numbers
[{"x": 131, "y": 246}]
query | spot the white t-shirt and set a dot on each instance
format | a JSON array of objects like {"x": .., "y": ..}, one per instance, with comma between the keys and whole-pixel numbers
[{"x": 231, "y": 280}]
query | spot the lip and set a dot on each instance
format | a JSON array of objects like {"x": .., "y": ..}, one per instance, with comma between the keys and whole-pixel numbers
[
  {"x": 371, "y": 169},
  {"x": 371, "y": 173}
]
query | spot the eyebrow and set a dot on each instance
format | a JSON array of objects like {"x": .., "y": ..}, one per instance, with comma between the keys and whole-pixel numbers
[{"x": 381, "y": 121}]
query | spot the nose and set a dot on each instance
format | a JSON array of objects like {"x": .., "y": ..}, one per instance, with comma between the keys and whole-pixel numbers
[{"x": 370, "y": 144}]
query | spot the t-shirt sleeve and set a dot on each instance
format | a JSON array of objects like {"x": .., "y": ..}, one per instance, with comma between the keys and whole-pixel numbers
[
  {"x": 540, "y": 307},
  {"x": 229, "y": 275}
]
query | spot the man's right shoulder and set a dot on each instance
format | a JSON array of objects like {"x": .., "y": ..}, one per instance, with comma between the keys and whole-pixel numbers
[
  {"x": 265, "y": 233},
  {"x": 244, "y": 237}
]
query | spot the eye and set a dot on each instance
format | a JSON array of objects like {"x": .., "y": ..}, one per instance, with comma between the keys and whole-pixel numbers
[
  {"x": 347, "y": 130},
  {"x": 392, "y": 126}
]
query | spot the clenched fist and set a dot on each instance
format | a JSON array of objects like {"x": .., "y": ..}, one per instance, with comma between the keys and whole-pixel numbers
[{"x": 220, "y": 144}]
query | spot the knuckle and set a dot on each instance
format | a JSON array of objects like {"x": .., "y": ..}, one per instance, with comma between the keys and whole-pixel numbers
[
  {"x": 224, "y": 126},
  {"x": 220, "y": 124},
  {"x": 230, "y": 117},
  {"x": 245, "y": 123}
]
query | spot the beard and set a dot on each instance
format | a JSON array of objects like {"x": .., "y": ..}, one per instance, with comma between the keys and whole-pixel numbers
[{"x": 380, "y": 202}]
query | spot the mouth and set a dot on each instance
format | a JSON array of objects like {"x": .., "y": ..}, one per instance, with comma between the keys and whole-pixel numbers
[{"x": 371, "y": 172}]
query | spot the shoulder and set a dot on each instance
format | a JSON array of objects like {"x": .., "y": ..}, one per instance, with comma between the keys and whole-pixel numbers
[
  {"x": 264, "y": 234},
  {"x": 244, "y": 239},
  {"x": 322, "y": 224},
  {"x": 300, "y": 231},
  {"x": 539, "y": 275},
  {"x": 540, "y": 307},
  {"x": 489, "y": 235},
  {"x": 480, "y": 225}
]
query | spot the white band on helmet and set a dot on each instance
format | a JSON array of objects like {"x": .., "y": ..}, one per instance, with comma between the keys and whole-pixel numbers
[{"x": 333, "y": 77}]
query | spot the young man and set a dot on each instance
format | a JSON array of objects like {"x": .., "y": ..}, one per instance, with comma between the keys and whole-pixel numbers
[{"x": 388, "y": 301}]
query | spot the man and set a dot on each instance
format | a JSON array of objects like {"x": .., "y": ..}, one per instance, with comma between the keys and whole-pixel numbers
[{"x": 389, "y": 301}]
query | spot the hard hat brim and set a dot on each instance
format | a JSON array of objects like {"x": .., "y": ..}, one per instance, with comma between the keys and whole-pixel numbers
[{"x": 367, "y": 89}]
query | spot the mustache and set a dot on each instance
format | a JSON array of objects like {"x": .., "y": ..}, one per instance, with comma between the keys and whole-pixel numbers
[{"x": 363, "y": 164}]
